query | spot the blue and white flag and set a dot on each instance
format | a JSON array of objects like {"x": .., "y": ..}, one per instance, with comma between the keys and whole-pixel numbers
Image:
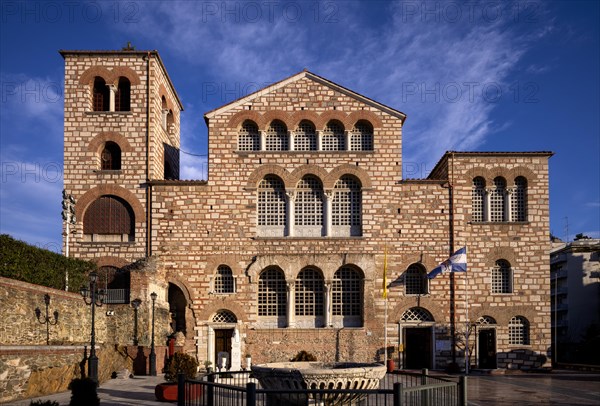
[{"x": 456, "y": 263}]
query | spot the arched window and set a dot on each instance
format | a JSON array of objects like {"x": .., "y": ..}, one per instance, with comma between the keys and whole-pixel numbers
[
  {"x": 308, "y": 211},
  {"x": 123, "y": 95},
  {"x": 518, "y": 331},
  {"x": 478, "y": 200},
  {"x": 333, "y": 137},
  {"x": 271, "y": 207},
  {"x": 361, "y": 138},
  {"x": 271, "y": 293},
  {"x": 417, "y": 314},
  {"x": 224, "y": 282},
  {"x": 347, "y": 292},
  {"x": 276, "y": 138},
  {"x": 485, "y": 321},
  {"x": 109, "y": 218},
  {"x": 415, "y": 280},
  {"x": 100, "y": 95},
  {"x": 224, "y": 316},
  {"x": 498, "y": 200},
  {"x": 502, "y": 277},
  {"x": 248, "y": 138},
  {"x": 309, "y": 296},
  {"x": 110, "y": 158},
  {"x": 305, "y": 137},
  {"x": 346, "y": 207},
  {"x": 519, "y": 200}
]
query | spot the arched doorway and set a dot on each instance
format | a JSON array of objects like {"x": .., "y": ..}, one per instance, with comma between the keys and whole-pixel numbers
[
  {"x": 177, "y": 308},
  {"x": 417, "y": 335},
  {"x": 224, "y": 344}
]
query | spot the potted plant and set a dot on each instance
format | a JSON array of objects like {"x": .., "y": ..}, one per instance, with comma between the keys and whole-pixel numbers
[
  {"x": 179, "y": 363},
  {"x": 207, "y": 366}
]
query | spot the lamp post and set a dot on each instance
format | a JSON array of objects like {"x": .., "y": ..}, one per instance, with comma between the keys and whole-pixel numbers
[
  {"x": 136, "y": 304},
  {"x": 153, "y": 296},
  {"x": 46, "y": 319},
  {"x": 68, "y": 216},
  {"x": 96, "y": 298}
]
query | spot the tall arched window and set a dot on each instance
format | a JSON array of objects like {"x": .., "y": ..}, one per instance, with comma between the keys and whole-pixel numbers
[
  {"x": 415, "y": 280},
  {"x": 309, "y": 296},
  {"x": 519, "y": 200},
  {"x": 109, "y": 218},
  {"x": 502, "y": 277},
  {"x": 361, "y": 138},
  {"x": 277, "y": 137},
  {"x": 346, "y": 207},
  {"x": 347, "y": 293},
  {"x": 305, "y": 137},
  {"x": 248, "y": 138},
  {"x": 478, "y": 200},
  {"x": 333, "y": 137},
  {"x": 224, "y": 281},
  {"x": 271, "y": 207},
  {"x": 271, "y": 293},
  {"x": 123, "y": 95},
  {"x": 498, "y": 200},
  {"x": 308, "y": 211},
  {"x": 518, "y": 331},
  {"x": 110, "y": 157},
  {"x": 100, "y": 95}
]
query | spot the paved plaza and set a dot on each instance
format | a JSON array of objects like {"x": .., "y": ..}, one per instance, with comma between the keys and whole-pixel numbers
[{"x": 557, "y": 388}]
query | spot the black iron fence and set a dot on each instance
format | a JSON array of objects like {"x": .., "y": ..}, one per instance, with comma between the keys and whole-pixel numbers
[{"x": 399, "y": 388}]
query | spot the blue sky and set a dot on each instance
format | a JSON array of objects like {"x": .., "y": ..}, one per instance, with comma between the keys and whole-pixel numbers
[{"x": 481, "y": 76}]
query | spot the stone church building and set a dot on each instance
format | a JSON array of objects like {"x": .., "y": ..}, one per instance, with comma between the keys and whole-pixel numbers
[{"x": 283, "y": 248}]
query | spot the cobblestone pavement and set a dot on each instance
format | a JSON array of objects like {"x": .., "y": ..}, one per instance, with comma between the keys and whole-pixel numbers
[{"x": 556, "y": 388}]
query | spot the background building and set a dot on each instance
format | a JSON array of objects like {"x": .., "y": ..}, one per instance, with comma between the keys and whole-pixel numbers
[{"x": 282, "y": 248}]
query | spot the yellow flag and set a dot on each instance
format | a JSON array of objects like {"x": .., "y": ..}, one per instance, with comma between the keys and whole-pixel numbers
[{"x": 385, "y": 289}]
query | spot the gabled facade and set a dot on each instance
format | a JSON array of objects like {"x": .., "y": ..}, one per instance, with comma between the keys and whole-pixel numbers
[{"x": 282, "y": 248}]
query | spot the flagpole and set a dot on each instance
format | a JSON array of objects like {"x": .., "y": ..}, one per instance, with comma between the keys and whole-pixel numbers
[
  {"x": 385, "y": 340},
  {"x": 467, "y": 326}
]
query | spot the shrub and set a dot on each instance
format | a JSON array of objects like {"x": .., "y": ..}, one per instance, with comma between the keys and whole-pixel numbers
[
  {"x": 181, "y": 363},
  {"x": 44, "y": 403},
  {"x": 303, "y": 356},
  {"x": 83, "y": 392}
]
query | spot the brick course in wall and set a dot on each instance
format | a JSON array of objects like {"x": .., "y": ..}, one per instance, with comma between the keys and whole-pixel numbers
[{"x": 190, "y": 228}]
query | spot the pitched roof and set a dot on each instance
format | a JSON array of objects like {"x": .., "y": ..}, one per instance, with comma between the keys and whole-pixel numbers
[{"x": 300, "y": 75}]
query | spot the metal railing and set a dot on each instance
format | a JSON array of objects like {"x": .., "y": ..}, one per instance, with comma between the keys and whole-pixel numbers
[
  {"x": 399, "y": 388},
  {"x": 116, "y": 296}
]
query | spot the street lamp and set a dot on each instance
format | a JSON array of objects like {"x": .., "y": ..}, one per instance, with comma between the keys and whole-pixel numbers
[
  {"x": 96, "y": 298},
  {"x": 46, "y": 319},
  {"x": 153, "y": 296},
  {"x": 136, "y": 304}
]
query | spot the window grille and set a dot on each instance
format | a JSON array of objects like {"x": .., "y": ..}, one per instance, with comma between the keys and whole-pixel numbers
[
  {"x": 309, "y": 293},
  {"x": 497, "y": 200},
  {"x": 361, "y": 138},
  {"x": 485, "y": 321},
  {"x": 347, "y": 292},
  {"x": 224, "y": 282},
  {"x": 519, "y": 196},
  {"x": 305, "y": 138},
  {"x": 501, "y": 277},
  {"x": 417, "y": 314},
  {"x": 248, "y": 138},
  {"x": 109, "y": 215},
  {"x": 478, "y": 199},
  {"x": 271, "y": 293},
  {"x": 224, "y": 316},
  {"x": 271, "y": 202},
  {"x": 276, "y": 137},
  {"x": 123, "y": 95},
  {"x": 110, "y": 158},
  {"x": 518, "y": 331},
  {"x": 333, "y": 137},
  {"x": 309, "y": 202},
  {"x": 415, "y": 280},
  {"x": 100, "y": 95},
  {"x": 346, "y": 207}
]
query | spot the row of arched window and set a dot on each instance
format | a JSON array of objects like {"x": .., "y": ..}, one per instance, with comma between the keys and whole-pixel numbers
[
  {"x": 305, "y": 137},
  {"x": 308, "y": 211},
  {"x": 107, "y": 97},
  {"x": 499, "y": 203}
]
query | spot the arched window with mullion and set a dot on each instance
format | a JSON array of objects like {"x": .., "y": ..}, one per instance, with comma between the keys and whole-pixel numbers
[
  {"x": 271, "y": 207},
  {"x": 308, "y": 209},
  {"x": 347, "y": 297},
  {"x": 478, "y": 200},
  {"x": 248, "y": 137},
  {"x": 309, "y": 293},
  {"x": 519, "y": 200},
  {"x": 305, "y": 137},
  {"x": 272, "y": 294},
  {"x": 277, "y": 137},
  {"x": 333, "y": 137},
  {"x": 498, "y": 200},
  {"x": 361, "y": 137},
  {"x": 346, "y": 212}
]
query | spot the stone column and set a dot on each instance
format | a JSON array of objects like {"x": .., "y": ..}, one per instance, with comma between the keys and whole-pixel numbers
[
  {"x": 112, "y": 95},
  {"x": 347, "y": 138},
  {"x": 291, "y": 141},
  {"x": 291, "y": 303},
  {"x": 327, "y": 211},
  {"x": 165, "y": 113},
  {"x": 263, "y": 140},
  {"x": 319, "y": 135},
  {"x": 290, "y": 207},
  {"x": 487, "y": 199},
  {"x": 508, "y": 204},
  {"x": 328, "y": 310},
  {"x": 211, "y": 347}
]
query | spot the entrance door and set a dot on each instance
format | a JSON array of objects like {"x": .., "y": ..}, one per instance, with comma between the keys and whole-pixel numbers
[
  {"x": 487, "y": 349},
  {"x": 418, "y": 349},
  {"x": 223, "y": 344}
]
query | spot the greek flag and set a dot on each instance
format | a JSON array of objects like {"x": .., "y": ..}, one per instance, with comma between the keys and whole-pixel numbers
[{"x": 456, "y": 263}]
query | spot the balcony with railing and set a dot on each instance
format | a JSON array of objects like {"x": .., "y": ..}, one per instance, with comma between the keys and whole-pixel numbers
[{"x": 116, "y": 296}]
